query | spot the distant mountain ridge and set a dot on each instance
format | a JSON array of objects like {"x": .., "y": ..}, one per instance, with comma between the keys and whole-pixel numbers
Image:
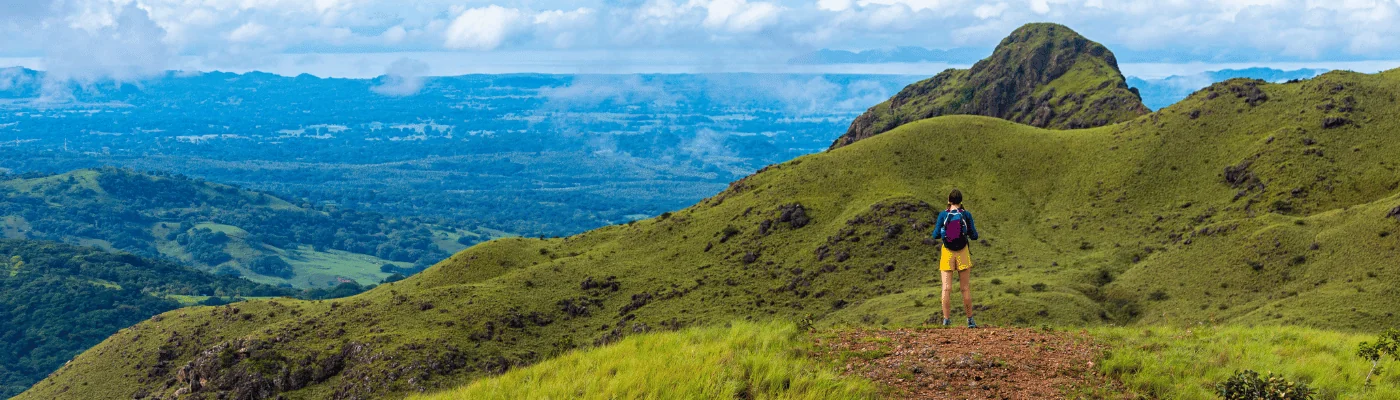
[
  {"x": 903, "y": 54},
  {"x": 1163, "y": 92},
  {"x": 1043, "y": 75}
]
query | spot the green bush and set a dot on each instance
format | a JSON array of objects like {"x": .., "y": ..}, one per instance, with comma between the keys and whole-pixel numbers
[
  {"x": 1387, "y": 345},
  {"x": 1248, "y": 385}
]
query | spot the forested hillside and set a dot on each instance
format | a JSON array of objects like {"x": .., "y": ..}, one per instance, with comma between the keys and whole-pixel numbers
[
  {"x": 222, "y": 229},
  {"x": 57, "y": 300}
]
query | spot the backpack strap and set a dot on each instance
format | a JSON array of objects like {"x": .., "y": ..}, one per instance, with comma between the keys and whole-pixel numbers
[{"x": 962, "y": 228}]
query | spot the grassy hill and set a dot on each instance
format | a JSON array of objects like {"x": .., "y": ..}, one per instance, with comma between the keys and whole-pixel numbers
[
  {"x": 1043, "y": 75},
  {"x": 220, "y": 228},
  {"x": 57, "y": 300},
  {"x": 1248, "y": 203}
]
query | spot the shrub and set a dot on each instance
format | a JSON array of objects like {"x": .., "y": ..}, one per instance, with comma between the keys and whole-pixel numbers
[
  {"x": 1158, "y": 295},
  {"x": 1039, "y": 287},
  {"x": 728, "y": 232},
  {"x": 1248, "y": 385},
  {"x": 1388, "y": 344}
]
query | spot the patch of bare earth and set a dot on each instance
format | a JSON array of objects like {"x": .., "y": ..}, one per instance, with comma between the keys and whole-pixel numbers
[{"x": 996, "y": 363}]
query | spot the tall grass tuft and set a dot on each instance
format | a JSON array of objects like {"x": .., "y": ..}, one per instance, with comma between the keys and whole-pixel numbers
[{"x": 742, "y": 361}]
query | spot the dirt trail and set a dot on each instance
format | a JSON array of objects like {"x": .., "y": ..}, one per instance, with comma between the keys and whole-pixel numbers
[{"x": 995, "y": 363}]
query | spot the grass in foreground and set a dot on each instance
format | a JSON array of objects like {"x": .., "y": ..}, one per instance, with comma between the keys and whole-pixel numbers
[
  {"x": 1175, "y": 363},
  {"x": 744, "y": 360}
]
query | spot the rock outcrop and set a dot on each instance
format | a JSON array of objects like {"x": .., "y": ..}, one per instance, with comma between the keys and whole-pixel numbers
[{"x": 1044, "y": 75}]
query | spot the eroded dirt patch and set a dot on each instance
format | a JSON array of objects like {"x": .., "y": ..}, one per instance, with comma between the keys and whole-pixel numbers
[{"x": 999, "y": 363}]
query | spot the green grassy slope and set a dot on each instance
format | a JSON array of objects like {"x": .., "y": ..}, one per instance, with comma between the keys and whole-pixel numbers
[
  {"x": 1150, "y": 362},
  {"x": 745, "y": 360},
  {"x": 1186, "y": 363},
  {"x": 164, "y": 215},
  {"x": 1043, "y": 75},
  {"x": 1133, "y": 223}
]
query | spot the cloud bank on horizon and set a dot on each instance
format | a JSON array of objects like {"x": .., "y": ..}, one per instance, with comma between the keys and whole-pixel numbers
[{"x": 82, "y": 39}]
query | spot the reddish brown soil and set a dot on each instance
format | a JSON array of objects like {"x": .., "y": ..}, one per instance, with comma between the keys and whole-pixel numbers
[{"x": 998, "y": 363}]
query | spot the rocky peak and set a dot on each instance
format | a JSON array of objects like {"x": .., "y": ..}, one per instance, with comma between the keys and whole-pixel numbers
[{"x": 1045, "y": 75}]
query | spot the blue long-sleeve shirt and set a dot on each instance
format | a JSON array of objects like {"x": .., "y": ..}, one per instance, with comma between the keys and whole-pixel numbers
[{"x": 967, "y": 217}]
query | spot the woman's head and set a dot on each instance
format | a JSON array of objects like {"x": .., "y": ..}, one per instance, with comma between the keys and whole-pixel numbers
[{"x": 955, "y": 198}]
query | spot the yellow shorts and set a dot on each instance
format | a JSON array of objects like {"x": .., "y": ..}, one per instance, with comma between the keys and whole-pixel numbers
[{"x": 949, "y": 260}]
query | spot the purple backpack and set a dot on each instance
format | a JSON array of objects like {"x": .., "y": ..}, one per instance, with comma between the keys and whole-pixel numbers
[{"x": 954, "y": 231}]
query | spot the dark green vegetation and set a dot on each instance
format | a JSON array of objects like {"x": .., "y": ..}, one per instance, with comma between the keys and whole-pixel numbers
[
  {"x": 1043, "y": 75},
  {"x": 1248, "y": 385},
  {"x": 57, "y": 300},
  {"x": 1248, "y": 203},
  {"x": 219, "y": 228}
]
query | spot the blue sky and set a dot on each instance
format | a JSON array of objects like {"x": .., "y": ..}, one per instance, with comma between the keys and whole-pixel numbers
[{"x": 131, "y": 38}]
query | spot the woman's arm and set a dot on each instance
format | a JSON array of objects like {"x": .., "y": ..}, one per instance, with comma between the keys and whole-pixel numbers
[
  {"x": 938, "y": 225},
  {"x": 971, "y": 226}
]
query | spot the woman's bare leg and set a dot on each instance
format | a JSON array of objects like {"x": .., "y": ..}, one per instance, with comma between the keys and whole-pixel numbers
[
  {"x": 947, "y": 293},
  {"x": 965, "y": 280}
]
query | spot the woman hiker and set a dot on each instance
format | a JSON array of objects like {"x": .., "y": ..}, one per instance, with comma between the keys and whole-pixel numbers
[{"x": 956, "y": 228}]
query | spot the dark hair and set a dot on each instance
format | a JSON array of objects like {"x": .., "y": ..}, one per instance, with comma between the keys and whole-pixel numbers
[{"x": 955, "y": 197}]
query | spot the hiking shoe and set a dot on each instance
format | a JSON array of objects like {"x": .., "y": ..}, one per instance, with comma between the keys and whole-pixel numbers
[
  {"x": 971, "y": 323},
  {"x": 947, "y": 322}
]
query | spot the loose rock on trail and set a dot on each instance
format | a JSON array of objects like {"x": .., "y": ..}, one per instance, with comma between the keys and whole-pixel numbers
[{"x": 997, "y": 363}]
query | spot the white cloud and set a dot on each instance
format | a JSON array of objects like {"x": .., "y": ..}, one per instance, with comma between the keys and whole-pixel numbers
[
  {"x": 484, "y": 28},
  {"x": 740, "y": 15},
  {"x": 247, "y": 31},
  {"x": 119, "y": 43},
  {"x": 834, "y": 5},
  {"x": 402, "y": 78},
  {"x": 916, "y": 5},
  {"x": 560, "y": 19},
  {"x": 989, "y": 10},
  {"x": 13, "y": 77},
  {"x": 563, "y": 28},
  {"x": 394, "y": 35},
  {"x": 1040, "y": 6}
]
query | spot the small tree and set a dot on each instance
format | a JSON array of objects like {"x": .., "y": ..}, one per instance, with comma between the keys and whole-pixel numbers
[
  {"x": 1388, "y": 344},
  {"x": 16, "y": 264}
]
